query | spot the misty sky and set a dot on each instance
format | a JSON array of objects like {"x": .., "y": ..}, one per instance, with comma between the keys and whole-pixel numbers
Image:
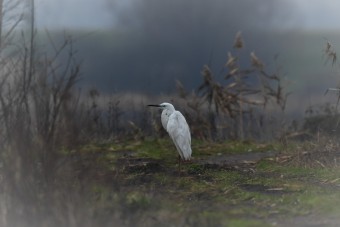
[
  {"x": 166, "y": 40},
  {"x": 100, "y": 14}
]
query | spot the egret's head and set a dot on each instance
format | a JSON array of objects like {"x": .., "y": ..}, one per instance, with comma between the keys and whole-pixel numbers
[{"x": 164, "y": 106}]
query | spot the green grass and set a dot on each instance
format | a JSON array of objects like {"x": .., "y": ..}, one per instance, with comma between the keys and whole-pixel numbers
[{"x": 243, "y": 196}]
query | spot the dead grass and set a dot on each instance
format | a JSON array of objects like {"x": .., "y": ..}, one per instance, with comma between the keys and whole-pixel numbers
[{"x": 323, "y": 153}]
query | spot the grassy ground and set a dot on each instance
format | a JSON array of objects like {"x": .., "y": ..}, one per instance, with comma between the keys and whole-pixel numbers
[{"x": 137, "y": 183}]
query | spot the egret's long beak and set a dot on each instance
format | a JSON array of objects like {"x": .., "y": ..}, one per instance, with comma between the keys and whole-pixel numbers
[{"x": 154, "y": 106}]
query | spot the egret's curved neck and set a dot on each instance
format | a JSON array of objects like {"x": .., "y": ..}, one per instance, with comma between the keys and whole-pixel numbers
[{"x": 165, "y": 117}]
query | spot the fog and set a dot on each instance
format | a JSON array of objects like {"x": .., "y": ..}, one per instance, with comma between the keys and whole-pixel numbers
[{"x": 144, "y": 46}]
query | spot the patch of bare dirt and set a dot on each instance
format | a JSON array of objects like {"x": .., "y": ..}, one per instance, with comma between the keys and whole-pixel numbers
[
  {"x": 235, "y": 159},
  {"x": 244, "y": 162}
]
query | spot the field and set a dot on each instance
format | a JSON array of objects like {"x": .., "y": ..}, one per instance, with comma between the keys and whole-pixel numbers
[
  {"x": 93, "y": 157},
  {"x": 138, "y": 183}
]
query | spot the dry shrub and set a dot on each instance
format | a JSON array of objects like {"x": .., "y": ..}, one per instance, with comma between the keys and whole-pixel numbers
[{"x": 237, "y": 107}]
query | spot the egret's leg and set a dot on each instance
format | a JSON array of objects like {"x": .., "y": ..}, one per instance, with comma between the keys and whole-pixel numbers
[{"x": 179, "y": 163}]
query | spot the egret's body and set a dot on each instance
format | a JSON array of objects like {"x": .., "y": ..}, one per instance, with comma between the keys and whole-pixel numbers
[{"x": 175, "y": 124}]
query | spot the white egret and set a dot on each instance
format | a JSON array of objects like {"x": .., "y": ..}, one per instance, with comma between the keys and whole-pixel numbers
[{"x": 175, "y": 124}]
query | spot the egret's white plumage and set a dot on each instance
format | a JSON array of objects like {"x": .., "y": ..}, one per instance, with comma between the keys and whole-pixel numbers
[{"x": 175, "y": 124}]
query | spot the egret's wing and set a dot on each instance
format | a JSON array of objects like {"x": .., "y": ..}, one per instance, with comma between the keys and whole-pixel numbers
[{"x": 179, "y": 131}]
